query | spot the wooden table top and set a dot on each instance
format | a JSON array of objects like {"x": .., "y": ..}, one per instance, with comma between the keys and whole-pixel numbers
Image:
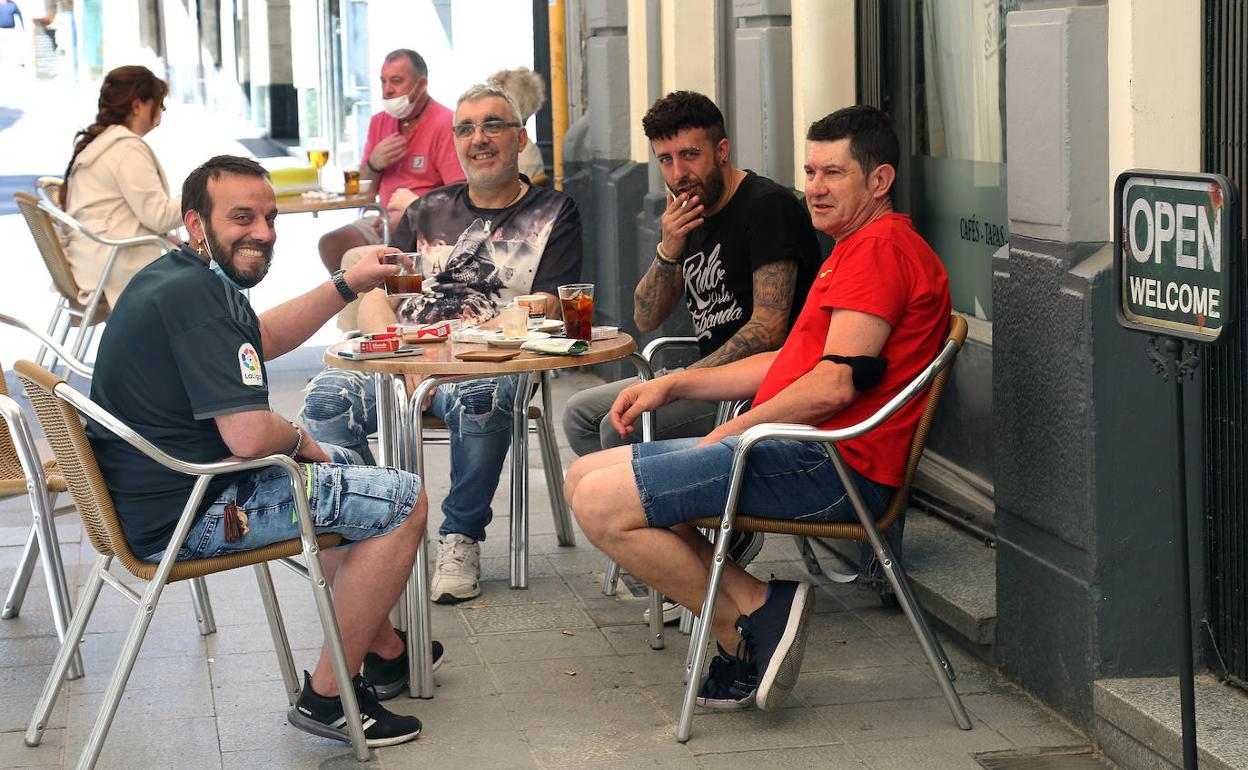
[
  {"x": 439, "y": 358},
  {"x": 297, "y": 204}
]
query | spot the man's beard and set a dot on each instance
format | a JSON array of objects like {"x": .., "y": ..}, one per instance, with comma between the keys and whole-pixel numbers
[
  {"x": 712, "y": 187},
  {"x": 224, "y": 257}
]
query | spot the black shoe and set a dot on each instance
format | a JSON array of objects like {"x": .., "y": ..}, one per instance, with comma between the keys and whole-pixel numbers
[
  {"x": 732, "y": 682},
  {"x": 776, "y": 633},
  {"x": 323, "y": 716},
  {"x": 389, "y": 675},
  {"x": 744, "y": 546}
]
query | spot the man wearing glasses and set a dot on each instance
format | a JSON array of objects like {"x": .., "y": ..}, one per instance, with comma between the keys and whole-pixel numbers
[{"x": 482, "y": 243}]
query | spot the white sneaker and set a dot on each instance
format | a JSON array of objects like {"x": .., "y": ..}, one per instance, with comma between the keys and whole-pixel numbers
[{"x": 457, "y": 570}]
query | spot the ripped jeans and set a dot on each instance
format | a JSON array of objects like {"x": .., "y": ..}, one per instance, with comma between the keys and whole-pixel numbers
[{"x": 340, "y": 407}]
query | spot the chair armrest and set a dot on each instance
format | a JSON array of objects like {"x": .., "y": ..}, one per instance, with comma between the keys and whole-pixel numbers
[
  {"x": 73, "y": 224},
  {"x": 774, "y": 430},
  {"x": 657, "y": 345},
  {"x": 115, "y": 426},
  {"x": 65, "y": 356},
  {"x": 24, "y": 441}
]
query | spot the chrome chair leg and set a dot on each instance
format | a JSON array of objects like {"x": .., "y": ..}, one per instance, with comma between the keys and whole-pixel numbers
[
  {"x": 610, "y": 578},
  {"x": 69, "y": 647},
  {"x": 520, "y": 482},
  {"x": 687, "y": 619},
  {"x": 21, "y": 580},
  {"x": 417, "y": 613},
  {"x": 808, "y": 555},
  {"x": 203, "y": 606},
  {"x": 49, "y": 548},
  {"x": 277, "y": 628},
  {"x": 701, "y": 635},
  {"x": 656, "y": 620},
  {"x": 932, "y": 649},
  {"x": 553, "y": 466}
]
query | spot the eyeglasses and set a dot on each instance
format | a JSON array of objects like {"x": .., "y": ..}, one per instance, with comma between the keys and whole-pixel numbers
[{"x": 490, "y": 128}]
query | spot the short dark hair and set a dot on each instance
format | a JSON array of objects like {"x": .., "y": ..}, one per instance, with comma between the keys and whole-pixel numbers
[
  {"x": 195, "y": 189},
  {"x": 416, "y": 60},
  {"x": 872, "y": 140},
  {"x": 680, "y": 110}
]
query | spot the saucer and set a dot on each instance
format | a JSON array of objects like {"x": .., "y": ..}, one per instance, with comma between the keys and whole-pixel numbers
[
  {"x": 498, "y": 340},
  {"x": 545, "y": 325}
]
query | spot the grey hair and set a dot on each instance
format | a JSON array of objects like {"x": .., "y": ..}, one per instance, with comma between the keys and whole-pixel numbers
[{"x": 485, "y": 91}]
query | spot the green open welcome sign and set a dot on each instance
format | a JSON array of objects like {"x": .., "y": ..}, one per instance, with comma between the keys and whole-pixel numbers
[{"x": 1177, "y": 237}]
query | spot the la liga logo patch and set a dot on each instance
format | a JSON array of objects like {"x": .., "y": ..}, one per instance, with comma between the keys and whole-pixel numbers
[{"x": 249, "y": 366}]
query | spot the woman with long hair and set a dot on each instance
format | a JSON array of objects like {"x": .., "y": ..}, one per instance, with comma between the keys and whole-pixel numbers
[{"x": 115, "y": 186}]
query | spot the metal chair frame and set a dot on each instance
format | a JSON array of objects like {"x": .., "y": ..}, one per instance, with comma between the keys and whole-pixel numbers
[
  {"x": 47, "y": 391},
  {"x": 43, "y": 484},
  {"x": 68, "y": 310},
  {"x": 934, "y": 375}
]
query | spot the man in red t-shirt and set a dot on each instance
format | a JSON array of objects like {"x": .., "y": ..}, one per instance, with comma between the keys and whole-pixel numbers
[
  {"x": 882, "y": 294},
  {"x": 409, "y": 151}
]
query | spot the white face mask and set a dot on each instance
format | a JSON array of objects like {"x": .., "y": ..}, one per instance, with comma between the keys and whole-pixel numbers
[{"x": 399, "y": 107}]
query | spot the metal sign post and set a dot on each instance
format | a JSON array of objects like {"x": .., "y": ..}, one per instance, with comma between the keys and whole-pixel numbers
[{"x": 1175, "y": 282}]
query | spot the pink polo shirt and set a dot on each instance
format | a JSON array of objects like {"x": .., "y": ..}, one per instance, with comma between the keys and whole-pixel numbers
[{"x": 430, "y": 161}]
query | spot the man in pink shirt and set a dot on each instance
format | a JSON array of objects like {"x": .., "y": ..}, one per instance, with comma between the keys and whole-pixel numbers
[{"x": 409, "y": 151}]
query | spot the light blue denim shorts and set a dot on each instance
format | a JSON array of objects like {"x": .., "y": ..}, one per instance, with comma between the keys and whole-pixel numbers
[
  {"x": 679, "y": 481},
  {"x": 354, "y": 501}
]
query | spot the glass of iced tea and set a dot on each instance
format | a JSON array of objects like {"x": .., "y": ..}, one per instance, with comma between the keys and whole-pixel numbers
[
  {"x": 577, "y": 300},
  {"x": 409, "y": 279}
]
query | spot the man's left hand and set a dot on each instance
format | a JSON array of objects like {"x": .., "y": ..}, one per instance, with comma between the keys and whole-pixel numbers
[
  {"x": 310, "y": 451},
  {"x": 372, "y": 269}
]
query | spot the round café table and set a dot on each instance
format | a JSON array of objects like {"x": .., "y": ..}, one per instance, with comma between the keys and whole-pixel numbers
[
  {"x": 296, "y": 204},
  {"x": 400, "y": 441}
]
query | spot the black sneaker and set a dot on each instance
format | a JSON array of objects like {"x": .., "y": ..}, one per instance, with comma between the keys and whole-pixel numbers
[
  {"x": 323, "y": 716},
  {"x": 732, "y": 682},
  {"x": 389, "y": 675},
  {"x": 744, "y": 546},
  {"x": 777, "y": 639}
]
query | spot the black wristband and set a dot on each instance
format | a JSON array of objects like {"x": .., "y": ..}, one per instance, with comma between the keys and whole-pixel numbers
[
  {"x": 369, "y": 162},
  {"x": 867, "y": 371},
  {"x": 340, "y": 283}
]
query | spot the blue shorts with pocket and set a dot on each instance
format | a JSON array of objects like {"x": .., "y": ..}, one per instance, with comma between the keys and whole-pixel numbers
[
  {"x": 354, "y": 501},
  {"x": 679, "y": 481}
]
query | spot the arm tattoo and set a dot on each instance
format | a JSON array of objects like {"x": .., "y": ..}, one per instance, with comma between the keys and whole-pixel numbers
[
  {"x": 657, "y": 293},
  {"x": 768, "y": 325}
]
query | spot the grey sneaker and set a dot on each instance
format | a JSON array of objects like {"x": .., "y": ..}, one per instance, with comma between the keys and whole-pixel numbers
[{"x": 457, "y": 571}]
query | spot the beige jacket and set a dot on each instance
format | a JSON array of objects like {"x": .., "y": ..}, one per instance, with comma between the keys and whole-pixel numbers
[{"x": 117, "y": 189}]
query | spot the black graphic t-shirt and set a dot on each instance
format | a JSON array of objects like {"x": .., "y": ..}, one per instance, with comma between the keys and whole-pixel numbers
[
  {"x": 762, "y": 223},
  {"x": 477, "y": 260}
]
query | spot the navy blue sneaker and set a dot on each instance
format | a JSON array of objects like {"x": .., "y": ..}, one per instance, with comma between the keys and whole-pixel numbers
[
  {"x": 776, "y": 634},
  {"x": 389, "y": 675},
  {"x": 732, "y": 682}
]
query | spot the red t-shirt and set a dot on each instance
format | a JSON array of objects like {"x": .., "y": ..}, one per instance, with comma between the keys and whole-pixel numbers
[
  {"x": 888, "y": 270},
  {"x": 430, "y": 161}
]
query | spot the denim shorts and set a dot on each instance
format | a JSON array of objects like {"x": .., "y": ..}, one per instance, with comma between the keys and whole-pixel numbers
[
  {"x": 354, "y": 501},
  {"x": 679, "y": 481}
]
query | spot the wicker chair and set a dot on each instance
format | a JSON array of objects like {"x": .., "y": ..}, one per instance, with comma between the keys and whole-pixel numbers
[
  {"x": 866, "y": 530},
  {"x": 58, "y": 407},
  {"x": 46, "y": 222}
]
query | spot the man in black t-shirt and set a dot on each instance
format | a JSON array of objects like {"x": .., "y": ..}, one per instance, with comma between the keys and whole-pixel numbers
[
  {"x": 482, "y": 243},
  {"x": 181, "y": 362},
  {"x": 738, "y": 247}
]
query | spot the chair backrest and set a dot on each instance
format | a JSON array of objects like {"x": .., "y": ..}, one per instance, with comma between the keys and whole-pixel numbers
[
  {"x": 64, "y": 430},
  {"x": 44, "y": 231},
  {"x": 10, "y": 465},
  {"x": 49, "y": 187},
  {"x": 897, "y": 503}
]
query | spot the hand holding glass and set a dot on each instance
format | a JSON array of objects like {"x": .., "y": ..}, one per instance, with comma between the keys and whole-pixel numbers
[{"x": 410, "y": 278}]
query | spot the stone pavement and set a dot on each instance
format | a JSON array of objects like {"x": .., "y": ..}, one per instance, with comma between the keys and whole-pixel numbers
[{"x": 554, "y": 676}]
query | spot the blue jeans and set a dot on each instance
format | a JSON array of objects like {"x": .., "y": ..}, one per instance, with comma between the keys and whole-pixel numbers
[
  {"x": 678, "y": 482},
  {"x": 352, "y": 500},
  {"x": 340, "y": 407}
]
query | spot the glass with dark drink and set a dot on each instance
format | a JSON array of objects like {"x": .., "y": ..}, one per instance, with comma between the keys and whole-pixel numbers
[
  {"x": 410, "y": 277},
  {"x": 577, "y": 300}
]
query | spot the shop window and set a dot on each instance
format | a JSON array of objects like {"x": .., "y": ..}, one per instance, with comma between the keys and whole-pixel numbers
[{"x": 958, "y": 163}]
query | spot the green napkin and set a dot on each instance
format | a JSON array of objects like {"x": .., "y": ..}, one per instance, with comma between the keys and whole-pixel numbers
[{"x": 557, "y": 346}]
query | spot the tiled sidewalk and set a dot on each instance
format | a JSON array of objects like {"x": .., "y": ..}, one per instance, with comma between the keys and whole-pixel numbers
[{"x": 555, "y": 676}]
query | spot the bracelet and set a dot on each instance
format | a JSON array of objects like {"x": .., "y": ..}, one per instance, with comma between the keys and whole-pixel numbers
[
  {"x": 298, "y": 441},
  {"x": 658, "y": 252},
  {"x": 369, "y": 162},
  {"x": 339, "y": 280}
]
